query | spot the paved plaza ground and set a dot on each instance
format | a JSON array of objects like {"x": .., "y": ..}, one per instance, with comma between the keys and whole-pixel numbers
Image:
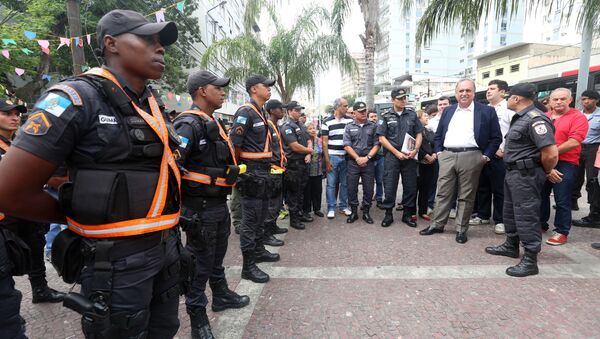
[{"x": 338, "y": 280}]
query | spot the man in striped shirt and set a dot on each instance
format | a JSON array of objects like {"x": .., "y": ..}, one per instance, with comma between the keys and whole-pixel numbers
[{"x": 332, "y": 132}]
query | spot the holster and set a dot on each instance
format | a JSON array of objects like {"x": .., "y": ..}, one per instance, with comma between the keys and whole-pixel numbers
[
  {"x": 18, "y": 252},
  {"x": 187, "y": 268},
  {"x": 253, "y": 184},
  {"x": 275, "y": 185},
  {"x": 67, "y": 255}
]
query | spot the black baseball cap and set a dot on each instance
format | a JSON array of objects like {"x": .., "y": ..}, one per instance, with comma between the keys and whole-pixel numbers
[
  {"x": 398, "y": 93},
  {"x": 258, "y": 79},
  {"x": 120, "y": 21},
  {"x": 273, "y": 104},
  {"x": 8, "y": 105},
  {"x": 591, "y": 94},
  {"x": 526, "y": 90},
  {"x": 359, "y": 106},
  {"x": 203, "y": 78},
  {"x": 294, "y": 105}
]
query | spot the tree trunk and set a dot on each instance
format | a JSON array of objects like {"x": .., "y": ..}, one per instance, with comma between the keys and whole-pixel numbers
[{"x": 370, "y": 11}]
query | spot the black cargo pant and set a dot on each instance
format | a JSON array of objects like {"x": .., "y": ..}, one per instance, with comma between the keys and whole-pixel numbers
[
  {"x": 275, "y": 201},
  {"x": 367, "y": 174},
  {"x": 296, "y": 176},
  {"x": 11, "y": 323},
  {"x": 208, "y": 243},
  {"x": 254, "y": 210},
  {"x": 33, "y": 234},
  {"x": 144, "y": 299},
  {"x": 588, "y": 155},
  {"x": 491, "y": 188},
  {"x": 393, "y": 168},
  {"x": 522, "y": 201}
]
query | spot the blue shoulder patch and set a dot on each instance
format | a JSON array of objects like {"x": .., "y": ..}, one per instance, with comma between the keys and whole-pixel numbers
[
  {"x": 288, "y": 131},
  {"x": 241, "y": 120},
  {"x": 54, "y": 104},
  {"x": 184, "y": 142},
  {"x": 381, "y": 121}
]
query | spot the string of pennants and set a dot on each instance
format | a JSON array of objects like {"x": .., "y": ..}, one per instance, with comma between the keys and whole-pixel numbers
[{"x": 10, "y": 45}]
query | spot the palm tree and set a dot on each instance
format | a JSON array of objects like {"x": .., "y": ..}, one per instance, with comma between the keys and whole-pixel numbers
[
  {"x": 370, "y": 11},
  {"x": 441, "y": 15},
  {"x": 294, "y": 57}
]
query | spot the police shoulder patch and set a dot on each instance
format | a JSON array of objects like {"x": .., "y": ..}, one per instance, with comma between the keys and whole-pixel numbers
[
  {"x": 533, "y": 114},
  {"x": 184, "y": 142},
  {"x": 241, "y": 120},
  {"x": 540, "y": 129},
  {"x": 288, "y": 131},
  {"x": 54, "y": 104},
  {"x": 37, "y": 124},
  {"x": 70, "y": 91},
  {"x": 381, "y": 121}
]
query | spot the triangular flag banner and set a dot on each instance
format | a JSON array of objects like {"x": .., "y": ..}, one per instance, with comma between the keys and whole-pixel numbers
[
  {"x": 6, "y": 53},
  {"x": 160, "y": 16},
  {"x": 84, "y": 68},
  {"x": 46, "y": 50},
  {"x": 30, "y": 35},
  {"x": 7, "y": 42},
  {"x": 177, "y": 97},
  {"x": 89, "y": 39},
  {"x": 19, "y": 71},
  {"x": 46, "y": 77},
  {"x": 77, "y": 41},
  {"x": 43, "y": 44},
  {"x": 170, "y": 95},
  {"x": 180, "y": 5},
  {"x": 26, "y": 51},
  {"x": 64, "y": 41}
]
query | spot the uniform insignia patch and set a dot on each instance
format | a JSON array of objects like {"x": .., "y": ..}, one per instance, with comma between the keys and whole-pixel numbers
[
  {"x": 381, "y": 122},
  {"x": 202, "y": 142},
  {"x": 176, "y": 155},
  {"x": 288, "y": 131},
  {"x": 260, "y": 123},
  {"x": 184, "y": 142},
  {"x": 54, "y": 104},
  {"x": 107, "y": 120},
  {"x": 241, "y": 120},
  {"x": 37, "y": 124},
  {"x": 239, "y": 130},
  {"x": 541, "y": 129},
  {"x": 70, "y": 91}
]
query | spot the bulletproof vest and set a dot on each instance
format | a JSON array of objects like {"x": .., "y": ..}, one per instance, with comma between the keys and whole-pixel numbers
[{"x": 212, "y": 161}]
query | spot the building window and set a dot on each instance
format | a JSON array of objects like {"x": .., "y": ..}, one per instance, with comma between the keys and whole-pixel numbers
[
  {"x": 425, "y": 61},
  {"x": 499, "y": 71},
  {"x": 503, "y": 40},
  {"x": 462, "y": 60},
  {"x": 514, "y": 68},
  {"x": 485, "y": 75},
  {"x": 503, "y": 26}
]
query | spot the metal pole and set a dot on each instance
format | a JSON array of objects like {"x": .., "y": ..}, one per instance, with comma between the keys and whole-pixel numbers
[{"x": 584, "y": 63}]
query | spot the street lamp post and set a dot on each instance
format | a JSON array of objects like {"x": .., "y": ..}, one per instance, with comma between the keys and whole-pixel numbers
[{"x": 220, "y": 4}]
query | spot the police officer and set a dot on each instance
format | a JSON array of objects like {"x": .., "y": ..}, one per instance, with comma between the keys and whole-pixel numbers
[
  {"x": 275, "y": 110},
  {"x": 361, "y": 145},
  {"x": 298, "y": 153},
  {"x": 123, "y": 203},
  {"x": 208, "y": 157},
  {"x": 252, "y": 140},
  {"x": 530, "y": 155},
  {"x": 394, "y": 125}
]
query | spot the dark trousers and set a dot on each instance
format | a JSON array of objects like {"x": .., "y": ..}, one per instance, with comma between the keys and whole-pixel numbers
[
  {"x": 562, "y": 197},
  {"x": 522, "y": 191},
  {"x": 579, "y": 179},
  {"x": 436, "y": 172},
  {"x": 144, "y": 298},
  {"x": 425, "y": 184},
  {"x": 33, "y": 234},
  {"x": 296, "y": 176},
  {"x": 491, "y": 188},
  {"x": 275, "y": 203},
  {"x": 367, "y": 176},
  {"x": 208, "y": 243},
  {"x": 393, "y": 169},
  {"x": 11, "y": 323},
  {"x": 312, "y": 194},
  {"x": 588, "y": 155},
  {"x": 254, "y": 212}
]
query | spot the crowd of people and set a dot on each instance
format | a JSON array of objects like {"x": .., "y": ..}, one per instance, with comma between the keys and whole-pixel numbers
[{"x": 99, "y": 155}]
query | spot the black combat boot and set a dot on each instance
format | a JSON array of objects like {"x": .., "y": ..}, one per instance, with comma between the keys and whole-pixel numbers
[
  {"x": 408, "y": 219},
  {"x": 295, "y": 222},
  {"x": 200, "y": 324},
  {"x": 45, "y": 294},
  {"x": 269, "y": 239},
  {"x": 388, "y": 219},
  {"x": 510, "y": 248},
  {"x": 366, "y": 216},
  {"x": 276, "y": 229},
  {"x": 353, "y": 216},
  {"x": 527, "y": 266},
  {"x": 224, "y": 298},
  {"x": 305, "y": 217},
  {"x": 250, "y": 271},
  {"x": 262, "y": 255}
]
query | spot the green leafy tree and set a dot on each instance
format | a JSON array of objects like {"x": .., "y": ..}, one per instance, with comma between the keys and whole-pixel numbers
[{"x": 294, "y": 57}]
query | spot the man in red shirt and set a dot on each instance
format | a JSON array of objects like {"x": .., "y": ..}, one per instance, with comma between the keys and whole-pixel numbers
[{"x": 570, "y": 129}]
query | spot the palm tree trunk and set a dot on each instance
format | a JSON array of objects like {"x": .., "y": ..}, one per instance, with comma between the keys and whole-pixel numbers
[
  {"x": 584, "y": 63},
  {"x": 370, "y": 70}
]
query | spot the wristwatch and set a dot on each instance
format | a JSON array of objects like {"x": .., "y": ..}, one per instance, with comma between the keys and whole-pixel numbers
[{"x": 369, "y": 157}]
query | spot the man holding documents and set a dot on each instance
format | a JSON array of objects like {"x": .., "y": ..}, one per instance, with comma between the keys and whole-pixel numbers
[
  {"x": 399, "y": 132},
  {"x": 467, "y": 138}
]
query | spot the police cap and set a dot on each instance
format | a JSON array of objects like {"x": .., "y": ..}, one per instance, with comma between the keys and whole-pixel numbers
[
  {"x": 202, "y": 78},
  {"x": 7, "y": 105},
  {"x": 273, "y": 104},
  {"x": 398, "y": 93},
  {"x": 258, "y": 79},
  {"x": 294, "y": 105},
  {"x": 526, "y": 90},
  {"x": 591, "y": 94},
  {"x": 120, "y": 21},
  {"x": 359, "y": 106}
]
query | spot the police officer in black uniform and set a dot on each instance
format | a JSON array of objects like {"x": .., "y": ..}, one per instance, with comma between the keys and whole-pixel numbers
[
  {"x": 393, "y": 126},
  {"x": 123, "y": 203},
  {"x": 361, "y": 144},
  {"x": 252, "y": 141},
  {"x": 530, "y": 154},
  {"x": 298, "y": 152},
  {"x": 274, "y": 109},
  {"x": 208, "y": 157}
]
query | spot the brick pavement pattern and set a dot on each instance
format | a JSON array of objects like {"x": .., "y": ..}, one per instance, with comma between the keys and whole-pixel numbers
[{"x": 337, "y": 280}]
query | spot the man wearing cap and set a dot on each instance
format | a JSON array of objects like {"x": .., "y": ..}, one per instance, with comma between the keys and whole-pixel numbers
[
  {"x": 274, "y": 109},
  {"x": 122, "y": 206},
  {"x": 208, "y": 157},
  {"x": 589, "y": 148},
  {"x": 530, "y": 155},
  {"x": 252, "y": 141},
  {"x": 393, "y": 129},
  {"x": 298, "y": 152},
  {"x": 361, "y": 145}
]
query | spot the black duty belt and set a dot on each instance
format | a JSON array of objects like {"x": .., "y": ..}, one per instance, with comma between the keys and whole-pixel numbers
[
  {"x": 461, "y": 149},
  {"x": 258, "y": 166},
  {"x": 126, "y": 246},
  {"x": 296, "y": 162},
  {"x": 524, "y": 164}
]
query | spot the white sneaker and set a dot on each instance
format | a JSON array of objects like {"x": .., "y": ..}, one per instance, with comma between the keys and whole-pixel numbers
[
  {"x": 499, "y": 228},
  {"x": 330, "y": 214},
  {"x": 347, "y": 211},
  {"x": 452, "y": 213},
  {"x": 479, "y": 221}
]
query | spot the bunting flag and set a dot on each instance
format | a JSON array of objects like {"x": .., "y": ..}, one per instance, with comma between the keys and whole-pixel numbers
[
  {"x": 7, "y": 42},
  {"x": 180, "y": 5},
  {"x": 6, "y": 53},
  {"x": 30, "y": 35},
  {"x": 177, "y": 97},
  {"x": 160, "y": 15},
  {"x": 64, "y": 41},
  {"x": 170, "y": 95},
  {"x": 84, "y": 68},
  {"x": 27, "y": 51},
  {"x": 19, "y": 71},
  {"x": 89, "y": 39},
  {"x": 46, "y": 77}
]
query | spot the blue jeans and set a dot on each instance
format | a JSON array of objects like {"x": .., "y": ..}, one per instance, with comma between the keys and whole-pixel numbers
[
  {"x": 52, "y": 233},
  {"x": 379, "y": 179},
  {"x": 562, "y": 198},
  {"x": 338, "y": 173}
]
